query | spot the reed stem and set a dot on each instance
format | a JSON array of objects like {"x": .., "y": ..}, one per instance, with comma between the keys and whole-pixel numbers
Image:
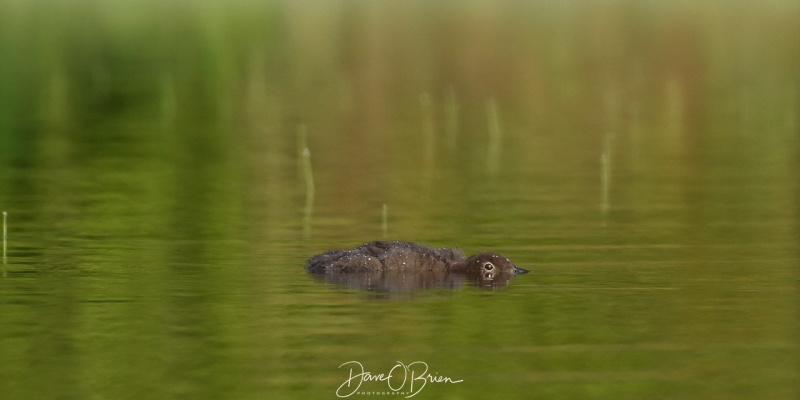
[
  {"x": 309, "y": 180},
  {"x": 605, "y": 178},
  {"x": 5, "y": 235},
  {"x": 302, "y": 145},
  {"x": 495, "y": 136}
]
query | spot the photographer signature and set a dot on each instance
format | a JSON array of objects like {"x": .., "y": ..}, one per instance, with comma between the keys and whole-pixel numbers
[{"x": 414, "y": 374}]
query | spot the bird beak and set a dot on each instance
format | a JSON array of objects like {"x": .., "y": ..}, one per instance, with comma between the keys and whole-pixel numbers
[{"x": 520, "y": 271}]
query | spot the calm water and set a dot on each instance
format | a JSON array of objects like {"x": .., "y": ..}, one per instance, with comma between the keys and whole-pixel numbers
[{"x": 642, "y": 161}]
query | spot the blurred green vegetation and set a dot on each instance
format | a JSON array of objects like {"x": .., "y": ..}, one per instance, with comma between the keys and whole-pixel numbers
[{"x": 217, "y": 90}]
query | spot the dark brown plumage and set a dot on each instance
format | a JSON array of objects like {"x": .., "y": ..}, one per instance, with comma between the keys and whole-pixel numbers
[{"x": 410, "y": 257}]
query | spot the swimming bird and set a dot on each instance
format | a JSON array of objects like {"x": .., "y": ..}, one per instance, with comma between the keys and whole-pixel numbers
[{"x": 390, "y": 256}]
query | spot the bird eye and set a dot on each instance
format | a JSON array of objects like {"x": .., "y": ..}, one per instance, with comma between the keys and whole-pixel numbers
[{"x": 488, "y": 266}]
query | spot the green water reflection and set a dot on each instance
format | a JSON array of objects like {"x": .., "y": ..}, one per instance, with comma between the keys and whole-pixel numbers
[{"x": 641, "y": 160}]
